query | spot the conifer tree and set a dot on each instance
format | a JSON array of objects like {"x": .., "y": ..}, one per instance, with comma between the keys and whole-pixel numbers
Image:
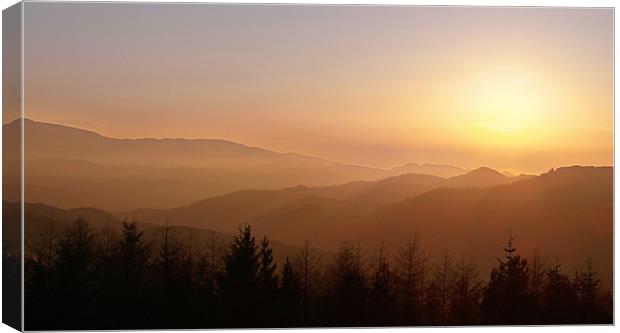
[
  {"x": 267, "y": 285},
  {"x": 537, "y": 277},
  {"x": 290, "y": 296},
  {"x": 74, "y": 277},
  {"x": 239, "y": 282},
  {"x": 266, "y": 270},
  {"x": 381, "y": 305},
  {"x": 412, "y": 266},
  {"x": 308, "y": 266},
  {"x": 506, "y": 299},
  {"x": 173, "y": 293},
  {"x": 590, "y": 306},
  {"x": 345, "y": 303},
  {"x": 443, "y": 280},
  {"x": 209, "y": 264},
  {"x": 107, "y": 289},
  {"x": 131, "y": 281},
  {"x": 39, "y": 279},
  {"x": 558, "y": 301},
  {"x": 466, "y": 294}
]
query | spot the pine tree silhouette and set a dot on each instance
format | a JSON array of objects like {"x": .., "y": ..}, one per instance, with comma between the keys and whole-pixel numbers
[
  {"x": 210, "y": 263},
  {"x": 74, "y": 278},
  {"x": 345, "y": 303},
  {"x": 131, "y": 281},
  {"x": 308, "y": 266},
  {"x": 267, "y": 286},
  {"x": 537, "y": 277},
  {"x": 412, "y": 266},
  {"x": 290, "y": 296},
  {"x": 558, "y": 297},
  {"x": 238, "y": 284},
  {"x": 466, "y": 293},
  {"x": 381, "y": 303},
  {"x": 172, "y": 291},
  {"x": 590, "y": 305},
  {"x": 443, "y": 282},
  {"x": 39, "y": 280},
  {"x": 506, "y": 299}
]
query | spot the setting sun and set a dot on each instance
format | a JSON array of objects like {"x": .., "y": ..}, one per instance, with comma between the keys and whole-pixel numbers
[{"x": 505, "y": 106}]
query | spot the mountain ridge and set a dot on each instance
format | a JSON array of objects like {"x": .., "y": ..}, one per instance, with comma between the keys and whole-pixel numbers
[
  {"x": 31, "y": 125},
  {"x": 238, "y": 206},
  {"x": 566, "y": 205}
]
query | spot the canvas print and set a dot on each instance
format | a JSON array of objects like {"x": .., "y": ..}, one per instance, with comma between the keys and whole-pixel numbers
[{"x": 195, "y": 166}]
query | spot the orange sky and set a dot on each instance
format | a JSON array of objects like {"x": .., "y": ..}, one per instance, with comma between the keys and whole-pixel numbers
[{"x": 523, "y": 89}]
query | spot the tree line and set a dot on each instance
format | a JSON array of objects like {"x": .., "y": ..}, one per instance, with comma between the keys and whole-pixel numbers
[{"x": 77, "y": 278}]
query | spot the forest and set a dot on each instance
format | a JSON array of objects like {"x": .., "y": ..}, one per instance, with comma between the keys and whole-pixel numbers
[{"x": 80, "y": 278}]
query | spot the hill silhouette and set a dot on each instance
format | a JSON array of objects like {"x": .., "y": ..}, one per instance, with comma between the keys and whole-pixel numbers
[
  {"x": 440, "y": 170},
  {"x": 39, "y": 217},
  {"x": 231, "y": 209},
  {"x": 482, "y": 176},
  {"x": 70, "y": 167},
  {"x": 566, "y": 206},
  {"x": 563, "y": 212}
]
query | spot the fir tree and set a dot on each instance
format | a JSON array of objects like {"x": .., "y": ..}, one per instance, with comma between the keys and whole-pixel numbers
[
  {"x": 381, "y": 305},
  {"x": 290, "y": 295},
  {"x": 239, "y": 282},
  {"x": 345, "y": 303},
  {"x": 506, "y": 299},
  {"x": 590, "y": 305},
  {"x": 466, "y": 294},
  {"x": 173, "y": 292},
  {"x": 131, "y": 281},
  {"x": 308, "y": 266},
  {"x": 412, "y": 266},
  {"x": 558, "y": 301},
  {"x": 443, "y": 280},
  {"x": 267, "y": 285},
  {"x": 74, "y": 277},
  {"x": 537, "y": 277}
]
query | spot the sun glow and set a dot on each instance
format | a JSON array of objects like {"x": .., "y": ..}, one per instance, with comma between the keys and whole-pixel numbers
[{"x": 505, "y": 106}]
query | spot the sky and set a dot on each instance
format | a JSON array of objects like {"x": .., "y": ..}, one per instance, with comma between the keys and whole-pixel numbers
[{"x": 522, "y": 89}]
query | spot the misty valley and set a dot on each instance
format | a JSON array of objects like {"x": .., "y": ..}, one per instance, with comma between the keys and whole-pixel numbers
[{"x": 175, "y": 233}]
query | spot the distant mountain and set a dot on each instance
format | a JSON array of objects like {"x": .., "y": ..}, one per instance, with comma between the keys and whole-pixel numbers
[
  {"x": 53, "y": 141},
  {"x": 70, "y": 167},
  {"x": 39, "y": 217},
  {"x": 566, "y": 213},
  {"x": 72, "y": 183},
  {"x": 222, "y": 213},
  {"x": 381, "y": 192},
  {"x": 227, "y": 211},
  {"x": 444, "y": 171},
  {"x": 480, "y": 177}
]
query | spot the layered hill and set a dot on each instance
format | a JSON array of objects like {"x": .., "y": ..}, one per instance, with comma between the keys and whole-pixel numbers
[
  {"x": 41, "y": 220},
  {"x": 566, "y": 213},
  {"x": 71, "y": 167},
  {"x": 361, "y": 197}
]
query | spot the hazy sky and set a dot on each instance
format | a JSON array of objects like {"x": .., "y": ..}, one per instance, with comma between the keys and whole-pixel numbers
[{"x": 524, "y": 89}]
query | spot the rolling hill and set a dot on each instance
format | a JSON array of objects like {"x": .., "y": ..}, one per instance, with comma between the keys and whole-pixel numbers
[
  {"x": 71, "y": 167},
  {"x": 567, "y": 213},
  {"x": 318, "y": 206},
  {"x": 39, "y": 217}
]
